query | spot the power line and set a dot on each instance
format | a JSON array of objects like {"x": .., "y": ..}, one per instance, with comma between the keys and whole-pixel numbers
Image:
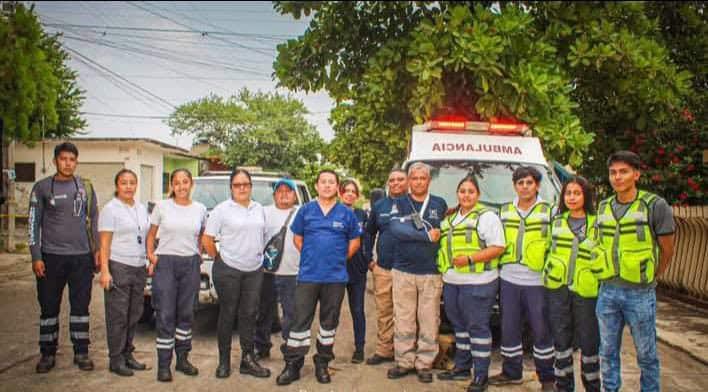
[
  {"x": 255, "y": 50},
  {"x": 164, "y": 54},
  {"x": 117, "y": 75},
  {"x": 161, "y": 30}
]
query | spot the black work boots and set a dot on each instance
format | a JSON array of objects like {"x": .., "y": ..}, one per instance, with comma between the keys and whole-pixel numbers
[{"x": 249, "y": 365}]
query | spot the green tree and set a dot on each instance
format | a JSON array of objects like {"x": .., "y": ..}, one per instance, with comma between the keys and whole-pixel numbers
[
  {"x": 263, "y": 129},
  {"x": 38, "y": 91},
  {"x": 560, "y": 67}
]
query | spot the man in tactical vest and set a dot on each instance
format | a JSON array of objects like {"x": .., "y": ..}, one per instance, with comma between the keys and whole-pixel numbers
[
  {"x": 62, "y": 234},
  {"x": 526, "y": 228},
  {"x": 636, "y": 229}
]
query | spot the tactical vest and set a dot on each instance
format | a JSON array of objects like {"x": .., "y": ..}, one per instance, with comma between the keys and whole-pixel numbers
[
  {"x": 463, "y": 239},
  {"x": 526, "y": 238},
  {"x": 570, "y": 261},
  {"x": 630, "y": 248}
]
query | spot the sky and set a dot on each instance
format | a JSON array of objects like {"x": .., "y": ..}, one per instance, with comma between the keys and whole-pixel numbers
[{"x": 137, "y": 61}]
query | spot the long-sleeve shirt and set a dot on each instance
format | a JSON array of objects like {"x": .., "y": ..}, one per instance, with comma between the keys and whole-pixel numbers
[
  {"x": 358, "y": 265},
  {"x": 57, "y": 220},
  {"x": 378, "y": 226}
]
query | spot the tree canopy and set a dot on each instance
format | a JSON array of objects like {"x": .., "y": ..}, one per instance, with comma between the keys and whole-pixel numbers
[
  {"x": 38, "y": 91},
  {"x": 580, "y": 73},
  {"x": 263, "y": 129}
]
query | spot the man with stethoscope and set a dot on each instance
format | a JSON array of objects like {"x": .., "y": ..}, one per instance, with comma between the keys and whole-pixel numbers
[{"x": 62, "y": 233}]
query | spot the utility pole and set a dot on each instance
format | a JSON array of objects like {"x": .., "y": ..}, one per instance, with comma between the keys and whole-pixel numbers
[{"x": 10, "y": 202}]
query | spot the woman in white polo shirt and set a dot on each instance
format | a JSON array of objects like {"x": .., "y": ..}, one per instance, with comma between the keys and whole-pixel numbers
[
  {"x": 471, "y": 240},
  {"x": 122, "y": 227},
  {"x": 239, "y": 224},
  {"x": 175, "y": 269}
]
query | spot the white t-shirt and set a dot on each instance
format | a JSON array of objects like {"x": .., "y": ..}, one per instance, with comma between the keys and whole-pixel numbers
[
  {"x": 241, "y": 233},
  {"x": 180, "y": 227},
  {"x": 275, "y": 219},
  {"x": 491, "y": 231},
  {"x": 129, "y": 225},
  {"x": 517, "y": 273}
]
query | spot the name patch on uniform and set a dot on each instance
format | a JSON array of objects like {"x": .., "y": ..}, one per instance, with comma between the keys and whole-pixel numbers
[
  {"x": 433, "y": 214},
  {"x": 337, "y": 225}
]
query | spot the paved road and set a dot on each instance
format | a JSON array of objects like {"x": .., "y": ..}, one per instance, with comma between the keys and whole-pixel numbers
[{"x": 18, "y": 354}]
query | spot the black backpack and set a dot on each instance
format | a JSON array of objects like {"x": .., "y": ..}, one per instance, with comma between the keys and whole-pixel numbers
[{"x": 273, "y": 252}]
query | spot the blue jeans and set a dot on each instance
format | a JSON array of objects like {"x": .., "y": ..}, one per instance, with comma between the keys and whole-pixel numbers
[
  {"x": 617, "y": 306},
  {"x": 285, "y": 289},
  {"x": 469, "y": 308}
]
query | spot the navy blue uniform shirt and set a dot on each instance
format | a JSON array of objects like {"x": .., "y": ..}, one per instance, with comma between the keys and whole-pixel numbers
[
  {"x": 413, "y": 251},
  {"x": 325, "y": 244},
  {"x": 358, "y": 265},
  {"x": 378, "y": 223}
]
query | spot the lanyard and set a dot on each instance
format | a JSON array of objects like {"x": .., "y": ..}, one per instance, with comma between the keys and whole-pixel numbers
[
  {"x": 457, "y": 214},
  {"x": 423, "y": 207},
  {"x": 137, "y": 218}
]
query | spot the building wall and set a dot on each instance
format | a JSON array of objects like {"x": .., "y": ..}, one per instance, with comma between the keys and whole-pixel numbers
[
  {"x": 94, "y": 155},
  {"x": 171, "y": 163}
]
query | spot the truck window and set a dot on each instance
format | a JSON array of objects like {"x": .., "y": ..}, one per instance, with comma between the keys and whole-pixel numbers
[
  {"x": 211, "y": 191},
  {"x": 494, "y": 179}
]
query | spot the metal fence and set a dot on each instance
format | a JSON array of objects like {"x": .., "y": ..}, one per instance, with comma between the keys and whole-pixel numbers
[{"x": 688, "y": 271}]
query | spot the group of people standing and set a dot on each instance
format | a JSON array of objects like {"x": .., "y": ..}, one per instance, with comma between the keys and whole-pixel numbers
[{"x": 576, "y": 275}]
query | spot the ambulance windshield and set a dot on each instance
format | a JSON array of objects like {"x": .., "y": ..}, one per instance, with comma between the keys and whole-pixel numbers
[{"x": 494, "y": 179}]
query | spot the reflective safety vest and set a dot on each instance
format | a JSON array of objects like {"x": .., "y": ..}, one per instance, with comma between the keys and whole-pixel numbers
[
  {"x": 570, "y": 261},
  {"x": 526, "y": 238},
  {"x": 630, "y": 248},
  {"x": 463, "y": 239}
]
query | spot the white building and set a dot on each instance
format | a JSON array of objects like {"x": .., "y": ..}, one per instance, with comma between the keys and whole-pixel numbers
[{"x": 99, "y": 160}]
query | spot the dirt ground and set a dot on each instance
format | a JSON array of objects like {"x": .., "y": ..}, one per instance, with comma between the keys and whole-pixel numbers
[{"x": 19, "y": 352}]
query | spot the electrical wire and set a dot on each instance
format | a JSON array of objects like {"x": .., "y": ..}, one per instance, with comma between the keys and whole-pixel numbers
[
  {"x": 158, "y": 14},
  {"x": 121, "y": 78}
]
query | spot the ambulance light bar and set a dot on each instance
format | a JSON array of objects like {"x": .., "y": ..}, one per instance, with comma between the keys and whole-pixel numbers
[{"x": 495, "y": 126}]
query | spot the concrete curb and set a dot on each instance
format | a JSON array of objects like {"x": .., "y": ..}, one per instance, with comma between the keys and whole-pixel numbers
[{"x": 683, "y": 327}]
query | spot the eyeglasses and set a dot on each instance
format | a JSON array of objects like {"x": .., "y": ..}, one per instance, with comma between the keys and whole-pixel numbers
[{"x": 241, "y": 185}]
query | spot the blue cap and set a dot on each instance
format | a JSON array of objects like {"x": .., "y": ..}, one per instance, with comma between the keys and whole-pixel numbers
[{"x": 284, "y": 181}]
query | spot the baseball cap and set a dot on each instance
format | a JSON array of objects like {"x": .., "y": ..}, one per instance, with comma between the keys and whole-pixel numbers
[{"x": 284, "y": 181}]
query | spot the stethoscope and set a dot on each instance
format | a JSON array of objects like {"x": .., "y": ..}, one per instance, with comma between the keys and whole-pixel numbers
[{"x": 78, "y": 201}]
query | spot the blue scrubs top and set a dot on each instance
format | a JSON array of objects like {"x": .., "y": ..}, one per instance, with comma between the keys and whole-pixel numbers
[{"x": 323, "y": 258}]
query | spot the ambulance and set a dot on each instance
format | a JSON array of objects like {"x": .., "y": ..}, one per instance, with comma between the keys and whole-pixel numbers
[
  {"x": 491, "y": 150},
  {"x": 454, "y": 147}
]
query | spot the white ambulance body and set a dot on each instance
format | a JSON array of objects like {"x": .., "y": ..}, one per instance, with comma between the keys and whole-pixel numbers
[{"x": 491, "y": 151}]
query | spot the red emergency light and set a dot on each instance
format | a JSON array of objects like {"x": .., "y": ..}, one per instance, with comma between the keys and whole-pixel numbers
[
  {"x": 496, "y": 125},
  {"x": 507, "y": 126}
]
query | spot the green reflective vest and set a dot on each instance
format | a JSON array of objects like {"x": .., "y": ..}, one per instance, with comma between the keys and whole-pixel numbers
[
  {"x": 630, "y": 248},
  {"x": 463, "y": 239},
  {"x": 526, "y": 238},
  {"x": 570, "y": 261}
]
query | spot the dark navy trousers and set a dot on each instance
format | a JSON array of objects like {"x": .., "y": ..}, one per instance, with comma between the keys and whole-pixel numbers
[
  {"x": 175, "y": 286},
  {"x": 516, "y": 302},
  {"x": 356, "y": 294},
  {"x": 77, "y": 271},
  {"x": 469, "y": 309}
]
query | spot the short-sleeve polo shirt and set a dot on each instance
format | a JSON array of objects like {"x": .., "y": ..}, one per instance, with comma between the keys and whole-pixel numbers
[{"x": 323, "y": 258}]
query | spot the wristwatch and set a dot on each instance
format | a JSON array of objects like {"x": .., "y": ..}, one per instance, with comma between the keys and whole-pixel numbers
[{"x": 469, "y": 260}]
